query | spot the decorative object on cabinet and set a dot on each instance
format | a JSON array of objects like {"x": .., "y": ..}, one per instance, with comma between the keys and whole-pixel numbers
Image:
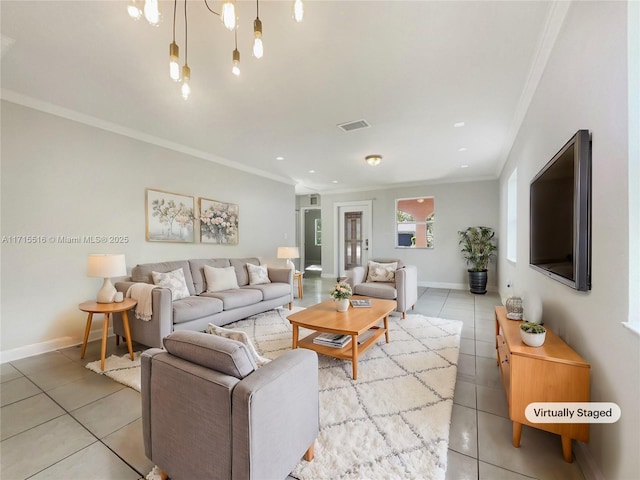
[
  {"x": 532, "y": 334},
  {"x": 555, "y": 373},
  {"x": 169, "y": 217},
  {"x": 514, "y": 308},
  {"x": 478, "y": 249},
  {"x": 218, "y": 222}
]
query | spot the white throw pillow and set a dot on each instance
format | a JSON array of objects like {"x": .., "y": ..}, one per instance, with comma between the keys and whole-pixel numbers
[
  {"x": 219, "y": 279},
  {"x": 238, "y": 336},
  {"x": 257, "y": 274},
  {"x": 174, "y": 281},
  {"x": 382, "y": 272}
]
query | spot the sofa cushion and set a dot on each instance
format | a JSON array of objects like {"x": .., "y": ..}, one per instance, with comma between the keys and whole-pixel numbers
[
  {"x": 142, "y": 273},
  {"x": 174, "y": 281},
  {"x": 271, "y": 290},
  {"x": 197, "y": 271},
  {"x": 240, "y": 297},
  {"x": 194, "y": 307},
  {"x": 377, "y": 290},
  {"x": 219, "y": 279},
  {"x": 240, "y": 264},
  {"x": 238, "y": 336},
  {"x": 381, "y": 272},
  {"x": 211, "y": 351},
  {"x": 258, "y": 274}
]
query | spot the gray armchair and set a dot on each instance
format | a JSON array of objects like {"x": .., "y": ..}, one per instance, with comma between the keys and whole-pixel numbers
[
  {"x": 208, "y": 412},
  {"x": 403, "y": 289}
]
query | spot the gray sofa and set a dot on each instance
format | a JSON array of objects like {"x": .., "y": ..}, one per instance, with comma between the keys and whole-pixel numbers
[
  {"x": 208, "y": 412},
  {"x": 201, "y": 307}
]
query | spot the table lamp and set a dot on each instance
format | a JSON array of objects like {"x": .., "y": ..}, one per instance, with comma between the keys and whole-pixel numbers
[
  {"x": 289, "y": 253},
  {"x": 105, "y": 266}
]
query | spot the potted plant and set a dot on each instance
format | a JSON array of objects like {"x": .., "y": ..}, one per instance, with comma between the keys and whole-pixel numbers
[
  {"x": 341, "y": 293},
  {"x": 478, "y": 248},
  {"x": 533, "y": 334}
]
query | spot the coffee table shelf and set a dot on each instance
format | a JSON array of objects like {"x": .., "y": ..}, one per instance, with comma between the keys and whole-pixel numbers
[{"x": 346, "y": 352}]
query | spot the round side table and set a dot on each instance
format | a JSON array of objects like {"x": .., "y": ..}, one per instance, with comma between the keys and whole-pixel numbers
[{"x": 107, "y": 309}]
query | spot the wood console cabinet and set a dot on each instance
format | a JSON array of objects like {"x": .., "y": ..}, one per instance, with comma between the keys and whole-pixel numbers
[{"x": 550, "y": 373}]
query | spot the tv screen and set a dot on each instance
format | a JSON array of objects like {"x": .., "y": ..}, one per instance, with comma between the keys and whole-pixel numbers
[{"x": 560, "y": 215}]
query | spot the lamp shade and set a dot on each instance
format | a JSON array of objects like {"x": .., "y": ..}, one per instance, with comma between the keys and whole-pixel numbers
[
  {"x": 288, "y": 252},
  {"x": 105, "y": 265}
]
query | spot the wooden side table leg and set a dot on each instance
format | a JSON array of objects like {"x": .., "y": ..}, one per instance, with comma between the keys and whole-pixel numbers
[
  {"x": 517, "y": 433},
  {"x": 87, "y": 329},
  {"x": 354, "y": 355},
  {"x": 103, "y": 351},
  {"x": 127, "y": 332},
  {"x": 566, "y": 448}
]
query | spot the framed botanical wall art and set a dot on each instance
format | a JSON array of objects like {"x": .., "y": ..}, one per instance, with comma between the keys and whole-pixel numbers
[
  {"x": 169, "y": 216},
  {"x": 218, "y": 222}
]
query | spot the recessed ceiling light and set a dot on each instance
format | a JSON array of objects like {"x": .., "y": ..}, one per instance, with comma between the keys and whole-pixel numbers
[
  {"x": 334, "y": 181},
  {"x": 312, "y": 171},
  {"x": 458, "y": 124},
  {"x": 279, "y": 158},
  {"x": 464, "y": 166},
  {"x": 462, "y": 149}
]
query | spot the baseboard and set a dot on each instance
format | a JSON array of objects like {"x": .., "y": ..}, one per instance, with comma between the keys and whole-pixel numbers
[
  {"x": 586, "y": 462},
  {"x": 453, "y": 286},
  {"x": 48, "y": 346}
]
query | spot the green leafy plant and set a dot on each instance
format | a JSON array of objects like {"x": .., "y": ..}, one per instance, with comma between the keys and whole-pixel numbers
[
  {"x": 532, "y": 327},
  {"x": 340, "y": 291},
  {"x": 478, "y": 247}
]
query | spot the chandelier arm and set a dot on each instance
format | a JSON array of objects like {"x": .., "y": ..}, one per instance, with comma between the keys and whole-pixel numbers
[
  {"x": 175, "y": 4},
  {"x": 186, "y": 37},
  {"x": 209, "y": 8}
]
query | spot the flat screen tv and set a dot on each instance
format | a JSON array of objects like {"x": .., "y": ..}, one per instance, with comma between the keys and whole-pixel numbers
[{"x": 560, "y": 215}]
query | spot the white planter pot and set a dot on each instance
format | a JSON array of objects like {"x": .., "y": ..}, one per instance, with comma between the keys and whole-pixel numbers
[
  {"x": 533, "y": 339},
  {"x": 342, "y": 304}
]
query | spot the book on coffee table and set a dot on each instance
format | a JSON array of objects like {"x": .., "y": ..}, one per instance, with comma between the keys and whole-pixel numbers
[
  {"x": 332, "y": 340},
  {"x": 361, "y": 303}
]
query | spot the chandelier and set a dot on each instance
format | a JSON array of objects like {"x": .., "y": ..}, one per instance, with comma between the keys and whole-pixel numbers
[{"x": 149, "y": 9}]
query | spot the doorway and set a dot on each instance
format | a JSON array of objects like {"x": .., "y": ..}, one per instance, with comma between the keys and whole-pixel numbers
[
  {"x": 311, "y": 241},
  {"x": 353, "y": 235}
]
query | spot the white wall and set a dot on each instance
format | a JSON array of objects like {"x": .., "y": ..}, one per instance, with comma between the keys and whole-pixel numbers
[
  {"x": 60, "y": 177},
  {"x": 457, "y": 206},
  {"x": 585, "y": 87}
]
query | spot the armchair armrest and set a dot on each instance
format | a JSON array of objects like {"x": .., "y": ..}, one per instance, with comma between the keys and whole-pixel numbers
[
  {"x": 355, "y": 276},
  {"x": 275, "y": 416},
  {"x": 407, "y": 287}
]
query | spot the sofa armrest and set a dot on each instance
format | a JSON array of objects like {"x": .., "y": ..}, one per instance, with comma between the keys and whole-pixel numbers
[
  {"x": 407, "y": 287},
  {"x": 275, "y": 416},
  {"x": 355, "y": 276},
  {"x": 152, "y": 332},
  {"x": 282, "y": 275}
]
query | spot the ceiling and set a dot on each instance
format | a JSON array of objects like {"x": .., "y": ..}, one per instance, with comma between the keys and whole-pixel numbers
[{"x": 410, "y": 69}]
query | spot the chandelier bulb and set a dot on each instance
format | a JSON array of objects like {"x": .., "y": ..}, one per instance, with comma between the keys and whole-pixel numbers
[
  {"x": 228, "y": 14},
  {"x": 174, "y": 66},
  {"x": 152, "y": 12},
  {"x": 186, "y": 78},
  {"x": 298, "y": 10},
  {"x": 236, "y": 62},
  {"x": 258, "y": 49},
  {"x": 133, "y": 10}
]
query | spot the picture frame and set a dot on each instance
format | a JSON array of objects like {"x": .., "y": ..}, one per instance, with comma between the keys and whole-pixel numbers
[
  {"x": 169, "y": 216},
  {"x": 219, "y": 222}
]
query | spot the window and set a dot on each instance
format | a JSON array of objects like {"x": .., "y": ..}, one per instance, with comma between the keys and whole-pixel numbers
[
  {"x": 512, "y": 216},
  {"x": 415, "y": 219}
]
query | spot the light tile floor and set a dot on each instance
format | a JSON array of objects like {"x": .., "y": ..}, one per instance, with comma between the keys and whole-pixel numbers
[{"x": 61, "y": 421}]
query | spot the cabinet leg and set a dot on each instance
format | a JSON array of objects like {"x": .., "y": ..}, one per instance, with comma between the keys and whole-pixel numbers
[
  {"x": 566, "y": 449},
  {"x": 517, "y": 433}
]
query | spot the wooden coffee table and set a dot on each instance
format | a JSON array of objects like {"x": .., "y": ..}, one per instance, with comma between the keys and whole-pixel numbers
[{"x": 323, "y": 317}]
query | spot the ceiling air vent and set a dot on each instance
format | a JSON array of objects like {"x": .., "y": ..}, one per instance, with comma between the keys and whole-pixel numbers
[{"x": 357, "y": 125}]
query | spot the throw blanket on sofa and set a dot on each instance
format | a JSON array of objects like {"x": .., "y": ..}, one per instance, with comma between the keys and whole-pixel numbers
[{"x": 142, "y": 293}]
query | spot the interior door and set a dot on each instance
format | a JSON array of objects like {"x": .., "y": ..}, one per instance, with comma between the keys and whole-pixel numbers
[{"x": 354, "y": 236}]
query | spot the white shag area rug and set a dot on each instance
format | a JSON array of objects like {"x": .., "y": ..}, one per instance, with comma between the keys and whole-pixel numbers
[
  {"x": 121, "y": 369},
  {"x": 391, "y": 423}
]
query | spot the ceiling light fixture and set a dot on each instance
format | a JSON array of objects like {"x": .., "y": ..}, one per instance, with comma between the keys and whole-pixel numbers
[
  {"x": 186, "y": 71},
  {"x": 458, "y": 124},
  {"x": 228, "y": 15},
  {"x": 373, "y": 160},
  {"x": 462, "y": 149}
]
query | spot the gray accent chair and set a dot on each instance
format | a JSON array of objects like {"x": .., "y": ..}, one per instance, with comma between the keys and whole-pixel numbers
[
  {"x": 404, "y": 290},
  {"x": 208, "y": 412}
]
